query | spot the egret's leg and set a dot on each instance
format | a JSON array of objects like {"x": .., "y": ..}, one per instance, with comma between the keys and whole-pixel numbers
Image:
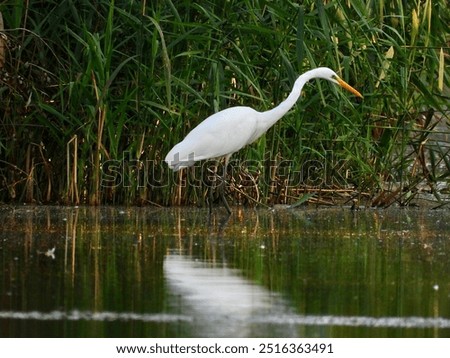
[
  {"x": 223, "y": 184},
  {"x": 210, "y": 196},
  {"x": 212, "y": 185}
]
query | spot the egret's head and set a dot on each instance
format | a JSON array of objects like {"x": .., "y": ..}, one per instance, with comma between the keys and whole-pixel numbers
[{"x": 328, "y": 74}]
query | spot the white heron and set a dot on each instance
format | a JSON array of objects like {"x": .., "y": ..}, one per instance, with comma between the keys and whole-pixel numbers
[{"x": 227, "y": 131}]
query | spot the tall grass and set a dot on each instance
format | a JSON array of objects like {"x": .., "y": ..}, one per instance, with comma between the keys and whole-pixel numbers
[{"x": 94, "y": 94}]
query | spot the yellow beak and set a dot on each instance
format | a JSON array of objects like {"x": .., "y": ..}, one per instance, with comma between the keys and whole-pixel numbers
[{"x": 349, "y": 88}]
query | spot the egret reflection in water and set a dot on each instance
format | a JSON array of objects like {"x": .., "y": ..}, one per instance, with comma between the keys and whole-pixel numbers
[{"x": 224, "y": 303}]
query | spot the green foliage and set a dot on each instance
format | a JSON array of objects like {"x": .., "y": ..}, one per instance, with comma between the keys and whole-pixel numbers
[{"x": 94, "y": 94}]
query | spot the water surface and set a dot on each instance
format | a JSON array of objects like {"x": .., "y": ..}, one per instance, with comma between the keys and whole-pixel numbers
[{"x": 146, "y": 272}]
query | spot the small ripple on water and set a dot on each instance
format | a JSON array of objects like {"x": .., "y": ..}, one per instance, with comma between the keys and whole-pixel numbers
[
  {"x": 393, "y": 322},
  {"x": 93, "y": 316},
  {"x": 358, "y": 321}
]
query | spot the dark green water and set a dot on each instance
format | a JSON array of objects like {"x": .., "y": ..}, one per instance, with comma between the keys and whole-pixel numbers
[{"x": 143, "y": 272}]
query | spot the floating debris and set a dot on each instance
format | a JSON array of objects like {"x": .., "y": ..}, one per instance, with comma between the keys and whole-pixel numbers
[{"x": 48, "y": 253}]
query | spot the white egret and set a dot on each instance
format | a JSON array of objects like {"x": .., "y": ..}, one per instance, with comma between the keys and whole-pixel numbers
[{"x": 227, "y": 131}]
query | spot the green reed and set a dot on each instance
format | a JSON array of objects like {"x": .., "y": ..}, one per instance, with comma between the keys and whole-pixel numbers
[{"x": 95, "y": 94}]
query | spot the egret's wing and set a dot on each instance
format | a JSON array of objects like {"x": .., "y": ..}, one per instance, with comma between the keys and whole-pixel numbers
[{"x": 222, "y": 133}]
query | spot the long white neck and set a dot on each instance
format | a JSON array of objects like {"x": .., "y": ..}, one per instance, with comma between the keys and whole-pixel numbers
[{"x": 269, "y": 118}]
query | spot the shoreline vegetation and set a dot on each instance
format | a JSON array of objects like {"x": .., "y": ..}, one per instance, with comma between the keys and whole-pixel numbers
[{"x": 95, "y": 93}]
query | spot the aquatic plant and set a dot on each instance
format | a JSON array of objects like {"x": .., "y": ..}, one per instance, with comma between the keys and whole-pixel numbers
[{"x": 94, "y": 94}]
